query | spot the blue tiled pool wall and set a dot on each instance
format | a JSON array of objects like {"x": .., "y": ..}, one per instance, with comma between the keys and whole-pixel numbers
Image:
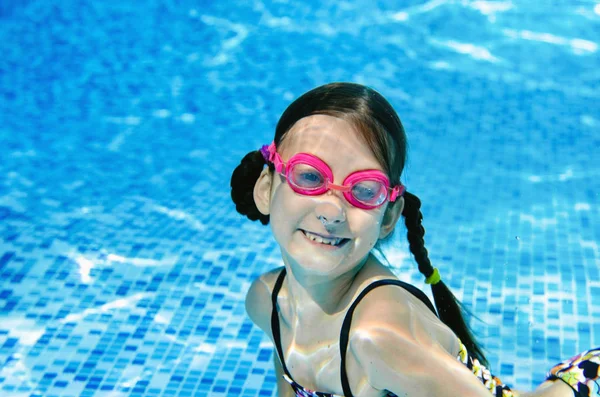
[{"x": 123, "y": 263}]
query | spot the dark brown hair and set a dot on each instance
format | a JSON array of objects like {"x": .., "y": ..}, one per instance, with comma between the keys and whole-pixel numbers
[{"x": 381, "y": 129}]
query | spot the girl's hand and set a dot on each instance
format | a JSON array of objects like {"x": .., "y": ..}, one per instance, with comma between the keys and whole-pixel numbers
[{"x": 555, "y": 388}]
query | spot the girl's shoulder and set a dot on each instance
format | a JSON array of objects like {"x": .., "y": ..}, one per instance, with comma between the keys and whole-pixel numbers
[
  {"x": 398, "y": 311},
  {"x": 396, "y": 338},
  {"x": 258, "y": 299}
]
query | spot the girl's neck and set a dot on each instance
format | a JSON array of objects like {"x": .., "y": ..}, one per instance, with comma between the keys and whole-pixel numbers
[{"x": 311, "y": 297}]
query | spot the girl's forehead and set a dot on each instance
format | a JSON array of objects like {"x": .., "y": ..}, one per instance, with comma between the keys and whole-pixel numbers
[{"x": 332, "y": 139}]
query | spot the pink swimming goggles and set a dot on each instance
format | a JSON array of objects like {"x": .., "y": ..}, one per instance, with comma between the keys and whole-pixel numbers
[{"x": 310, "y": 176}]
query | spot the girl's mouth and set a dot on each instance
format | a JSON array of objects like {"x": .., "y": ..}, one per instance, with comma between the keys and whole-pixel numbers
[{"x": 324, "y": 241}]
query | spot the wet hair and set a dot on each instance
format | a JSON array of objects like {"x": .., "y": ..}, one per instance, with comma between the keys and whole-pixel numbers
[{"x": 381, "y": 129}]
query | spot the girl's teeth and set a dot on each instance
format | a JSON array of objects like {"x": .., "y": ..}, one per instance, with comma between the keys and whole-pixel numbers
[{"x": 323, "y": 240}]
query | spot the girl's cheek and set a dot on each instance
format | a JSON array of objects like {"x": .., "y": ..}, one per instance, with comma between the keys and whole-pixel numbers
[{"x": 286, "y": 211}]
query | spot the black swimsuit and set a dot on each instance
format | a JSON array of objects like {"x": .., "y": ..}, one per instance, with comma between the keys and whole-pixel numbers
[{"x": 344, "y": 334}]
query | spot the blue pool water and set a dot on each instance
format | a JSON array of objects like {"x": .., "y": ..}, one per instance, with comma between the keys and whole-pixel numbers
[{"x": 123, "y": 264}]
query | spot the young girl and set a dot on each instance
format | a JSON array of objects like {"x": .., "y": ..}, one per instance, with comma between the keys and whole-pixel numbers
[{"x": 341, "y": 322}]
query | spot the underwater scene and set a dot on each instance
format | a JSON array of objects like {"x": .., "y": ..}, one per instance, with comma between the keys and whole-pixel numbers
[{"x": 124, "y": 265}]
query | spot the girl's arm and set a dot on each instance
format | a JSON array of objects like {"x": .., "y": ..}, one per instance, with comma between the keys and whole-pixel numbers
[
  {"x": 555, "y": 388},
  {"x": 399, "y": 344},
  {"x": 258, "y": 307},
  {"x": 407, "y": 367}
]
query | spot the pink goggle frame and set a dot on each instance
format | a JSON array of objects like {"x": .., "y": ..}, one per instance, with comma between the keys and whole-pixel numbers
[{"x": 351, "y": 180}]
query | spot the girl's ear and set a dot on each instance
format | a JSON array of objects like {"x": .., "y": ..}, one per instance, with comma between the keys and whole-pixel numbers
[
  {"x": 392, "y": 214},
  {"x": 262, "y": 192}
]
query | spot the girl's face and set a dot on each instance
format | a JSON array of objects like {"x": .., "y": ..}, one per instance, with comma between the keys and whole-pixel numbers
[{"x": 295, "y": 218}]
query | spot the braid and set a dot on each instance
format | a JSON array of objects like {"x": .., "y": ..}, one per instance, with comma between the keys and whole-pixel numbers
[
  {"x": 416, "y": 231},
  {"x": 450, "y": 310},
  {"x": 243, "y": 179}
]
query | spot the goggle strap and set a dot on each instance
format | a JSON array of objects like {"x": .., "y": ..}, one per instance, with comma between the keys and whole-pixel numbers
[
  {"x": 272, "y": 152},
  {"x": 275, "y": 158},
  {"x": 398, "y": 190}
]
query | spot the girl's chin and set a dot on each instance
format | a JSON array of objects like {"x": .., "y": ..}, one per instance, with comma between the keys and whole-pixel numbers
[{"x": 321, "y": 259}]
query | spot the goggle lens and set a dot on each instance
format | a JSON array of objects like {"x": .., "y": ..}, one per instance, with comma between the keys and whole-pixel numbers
[
  {"x": 304, "y": 176},
  {"x": 372, "y": 193}
]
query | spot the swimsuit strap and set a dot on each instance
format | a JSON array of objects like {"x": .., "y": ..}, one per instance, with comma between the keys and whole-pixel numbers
[
  {"x": 344, "y": 334},
  {"x": 275, "y": 321}
]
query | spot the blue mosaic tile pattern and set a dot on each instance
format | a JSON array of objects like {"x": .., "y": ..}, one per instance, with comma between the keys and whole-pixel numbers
[{"x": 123, "y": 264}]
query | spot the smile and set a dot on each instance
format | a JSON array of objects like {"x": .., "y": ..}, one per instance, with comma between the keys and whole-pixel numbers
[{"x": 334, "y": 242}]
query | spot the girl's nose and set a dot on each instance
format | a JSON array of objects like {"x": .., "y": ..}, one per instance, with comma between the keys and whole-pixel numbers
[
  {"x": 327, "y": 223},
  {"x": 331, "y": 212}
]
